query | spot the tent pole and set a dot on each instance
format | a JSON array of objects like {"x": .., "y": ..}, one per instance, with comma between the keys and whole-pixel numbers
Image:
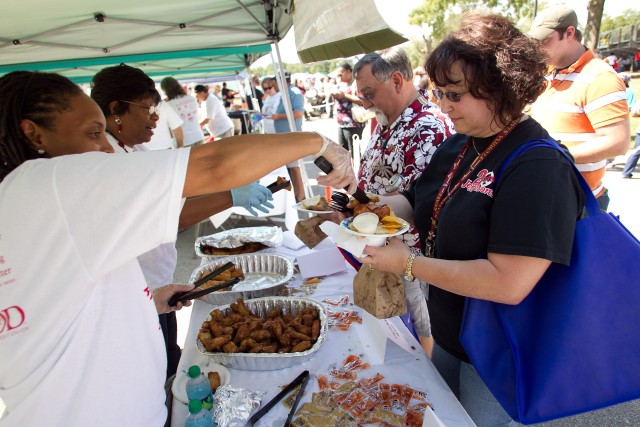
[{"x": 282, "y": 84}]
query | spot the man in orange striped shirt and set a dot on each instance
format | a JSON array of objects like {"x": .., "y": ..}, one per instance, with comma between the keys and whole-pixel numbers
[{"x": 585, "y": 104}]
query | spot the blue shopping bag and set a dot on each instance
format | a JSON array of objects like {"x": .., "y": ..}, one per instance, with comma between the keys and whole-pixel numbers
[{"x": 572, "y": 345}]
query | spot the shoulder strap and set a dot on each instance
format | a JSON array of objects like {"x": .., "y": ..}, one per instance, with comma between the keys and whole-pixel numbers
[{"x": 591, "y": 203}]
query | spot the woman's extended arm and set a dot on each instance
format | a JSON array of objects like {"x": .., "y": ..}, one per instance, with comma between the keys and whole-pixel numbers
[
  {"x": 237, "y": 161},
  {"x": 506, "y": 279}
]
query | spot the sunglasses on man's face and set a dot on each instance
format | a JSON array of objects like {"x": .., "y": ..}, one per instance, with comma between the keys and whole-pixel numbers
[
  {"x": 267, "y": 87},
  {"x": 451, "y": 96}
]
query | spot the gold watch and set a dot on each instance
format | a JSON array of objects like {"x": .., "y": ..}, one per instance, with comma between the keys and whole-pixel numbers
[{"x": 408, "y": 266}]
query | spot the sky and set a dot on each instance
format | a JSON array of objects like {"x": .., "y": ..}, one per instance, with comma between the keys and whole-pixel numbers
[{"x": 397, "y": 15}]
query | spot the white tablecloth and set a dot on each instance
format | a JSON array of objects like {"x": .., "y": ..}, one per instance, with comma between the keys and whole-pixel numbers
[{"x": 399, "y": 367}]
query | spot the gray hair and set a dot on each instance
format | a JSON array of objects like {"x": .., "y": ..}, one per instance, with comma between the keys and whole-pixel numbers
[{"x": 383, "y": 64}]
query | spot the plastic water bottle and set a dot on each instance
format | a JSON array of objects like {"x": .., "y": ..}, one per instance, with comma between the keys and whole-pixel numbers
[
  {"x": 198, "y": 416},
  {"x": 198, "y": 387}
]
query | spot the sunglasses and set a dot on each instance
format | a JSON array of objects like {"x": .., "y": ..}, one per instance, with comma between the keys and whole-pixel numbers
[
  {"x": 451, "y": 96},
  {"x": 151, "y": 108},
  {"x": 267, "y": 87}
]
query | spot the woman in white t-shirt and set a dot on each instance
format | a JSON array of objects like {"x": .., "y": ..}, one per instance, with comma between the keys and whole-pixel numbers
[
  {"x": 187, "y": 108},
  {"x": 270, "y": 104},
  {"x": 79, "y": 339}
]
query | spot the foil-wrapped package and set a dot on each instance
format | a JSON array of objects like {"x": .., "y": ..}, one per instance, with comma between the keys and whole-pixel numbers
[
  {"x": 232, "y": 406},
  {"x": 270, "y": 237}
]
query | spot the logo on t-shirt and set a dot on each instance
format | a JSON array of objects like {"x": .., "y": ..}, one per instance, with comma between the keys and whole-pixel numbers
[
  {"x": 11, "y": 319},
  {"x": 482, "y": 184}
]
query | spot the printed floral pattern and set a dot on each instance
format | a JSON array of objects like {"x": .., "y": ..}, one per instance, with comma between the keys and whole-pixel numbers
[{"x": 411, "y": 141}]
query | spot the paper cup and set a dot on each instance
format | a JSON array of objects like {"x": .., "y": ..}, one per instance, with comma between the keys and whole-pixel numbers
[
  {"x": 376, "y": 241},
  {"x": 366, "y": 223}
]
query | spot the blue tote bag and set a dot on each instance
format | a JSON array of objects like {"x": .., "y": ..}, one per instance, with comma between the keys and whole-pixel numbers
[{"x": 573, "y": 344}]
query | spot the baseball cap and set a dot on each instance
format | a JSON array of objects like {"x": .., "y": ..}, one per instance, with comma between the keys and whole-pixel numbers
[{"x": 551, "y": 19}]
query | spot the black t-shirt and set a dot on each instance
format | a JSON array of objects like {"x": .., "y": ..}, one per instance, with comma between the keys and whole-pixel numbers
[{"x": 532, "y": 212}]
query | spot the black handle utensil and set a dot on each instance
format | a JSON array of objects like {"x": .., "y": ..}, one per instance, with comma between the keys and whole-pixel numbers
[
  {"x": 201, "y": 281},
  {"x": 275, "y": 187},
  {"x": 326, "y": 167},
  {"x": 301, "y": 380},
  {"x": 202, "y": 292}
]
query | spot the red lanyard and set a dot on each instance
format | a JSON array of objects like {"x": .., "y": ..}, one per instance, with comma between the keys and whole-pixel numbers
[{"x": 445, "y": 193}]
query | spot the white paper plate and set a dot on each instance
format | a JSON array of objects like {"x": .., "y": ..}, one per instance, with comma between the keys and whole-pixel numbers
[
  {"x": 345, "y": 226},
  {"x": 180, "y": 382},
  {"x": 301, "y": 208}
]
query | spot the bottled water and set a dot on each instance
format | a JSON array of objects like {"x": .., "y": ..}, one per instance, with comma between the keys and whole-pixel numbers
[
  {"x": 198, "y": 416},
  {"x": 198, "y": 387}
]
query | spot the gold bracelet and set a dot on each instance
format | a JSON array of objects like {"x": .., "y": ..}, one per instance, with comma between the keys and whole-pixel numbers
[{"x": 408, "y": 267}]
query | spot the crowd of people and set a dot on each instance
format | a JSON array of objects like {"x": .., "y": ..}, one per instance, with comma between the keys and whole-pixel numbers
[{"x": 90, "y": 215}]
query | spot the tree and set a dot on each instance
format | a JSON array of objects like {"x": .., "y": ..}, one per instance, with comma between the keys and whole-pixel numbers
[
  {"x": 440, "y": 16},
  {"x": 628, "y": 17},
  {"x": 594, "y": 18}
]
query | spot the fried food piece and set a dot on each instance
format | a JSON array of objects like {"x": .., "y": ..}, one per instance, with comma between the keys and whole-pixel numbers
[
  {"x": 242, "y": 332},
  {"x": 381, "y": 211},
  {"x": 240, "y": 308},
  {"x": 307, "y": 320},
  {"x": 211, "y": 343},
  {"x": 284, "y": 340},
  {"x": 274, "y": 312},
  {"x": 246, "y": 345},
  {"x": 306, "y": 330},
  {"x": 230, "y": 347},
  {"x": 231, "y": 319},
  {"x": 301, "y": 346},
  {"x": 315, "y": 330},
  {"x": 317, "y": 203},
  {"x": 214, "y": 380},
  {"x": 260, "y": 335},
  {"x": 217, "y": 330},
  {"x": 216, "y": 315},
  {"x": 297, "y": 335},
  {"x": 312, "y": 281}
]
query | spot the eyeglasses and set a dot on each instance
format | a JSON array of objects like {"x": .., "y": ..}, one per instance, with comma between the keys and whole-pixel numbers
[
  {"x": 371, "y": 95},
  {"x": 151, "y": 108},
  {"x": 451, "y": 96}
]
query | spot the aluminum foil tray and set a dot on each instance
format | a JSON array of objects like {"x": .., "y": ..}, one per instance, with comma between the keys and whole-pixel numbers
[
  {"x": 269, "y": 236},
  {"x": 270, "y": 361},
  {"x": 265, "y": 275}
]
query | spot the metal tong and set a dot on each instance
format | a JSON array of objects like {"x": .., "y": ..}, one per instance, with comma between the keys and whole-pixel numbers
[
  {"x": 301, "y": 380},
  {"x": 179, "y": 296},
  {"x": 327, "y": 167}
]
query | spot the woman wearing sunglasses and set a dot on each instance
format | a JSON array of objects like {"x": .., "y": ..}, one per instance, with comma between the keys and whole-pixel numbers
[
  {"x": 483, "y": 239},
  {"x": 270, "y": 104}
]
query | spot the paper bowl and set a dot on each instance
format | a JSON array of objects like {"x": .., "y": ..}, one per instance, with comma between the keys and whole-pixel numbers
[
  {"x": 265, "y": 275},
  {"x": 270, "y": 361}
]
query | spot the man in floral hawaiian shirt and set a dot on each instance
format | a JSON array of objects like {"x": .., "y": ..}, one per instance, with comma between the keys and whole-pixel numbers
[{"x": 410, "y": 128}]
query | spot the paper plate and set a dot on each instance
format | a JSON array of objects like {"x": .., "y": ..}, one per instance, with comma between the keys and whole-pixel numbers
[
  {"x": 301, "y": 208},
  {"x": 347, "y": 221},
  {"x": 180, "y": 382}
]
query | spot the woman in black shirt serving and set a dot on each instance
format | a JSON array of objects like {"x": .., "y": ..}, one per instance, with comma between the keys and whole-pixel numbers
[{"x": 483, "y": 239}]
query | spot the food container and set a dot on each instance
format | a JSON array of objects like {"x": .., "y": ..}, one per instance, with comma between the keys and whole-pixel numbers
[
  {"x": 265, "y": 275},
  {"x": 268, "y": 236},
  {"x": 270, "y": 361}
]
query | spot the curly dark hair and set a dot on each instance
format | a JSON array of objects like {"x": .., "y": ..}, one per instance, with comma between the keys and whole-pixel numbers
[
  {"x": 172, "y": 88},
  {"x": 121, "y": 83},
  {"x": 500, "y": 64},
  {"x": 39, "y": 97}
]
